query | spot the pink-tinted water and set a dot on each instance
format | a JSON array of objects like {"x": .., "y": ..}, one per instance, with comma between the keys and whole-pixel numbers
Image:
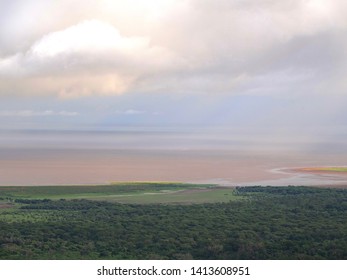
[
  {"x": 74, "y": 166},
  {"x": 227, "y": 157}
]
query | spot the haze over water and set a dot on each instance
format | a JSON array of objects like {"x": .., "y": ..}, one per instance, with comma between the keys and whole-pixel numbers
[{"x": 199, "y": 155}]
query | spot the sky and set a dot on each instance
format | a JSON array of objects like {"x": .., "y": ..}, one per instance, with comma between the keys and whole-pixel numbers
[{"x": 268, "y": 67}]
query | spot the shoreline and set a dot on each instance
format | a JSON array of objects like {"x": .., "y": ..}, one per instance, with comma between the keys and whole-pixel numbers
[{"x": 337, "y": 185}]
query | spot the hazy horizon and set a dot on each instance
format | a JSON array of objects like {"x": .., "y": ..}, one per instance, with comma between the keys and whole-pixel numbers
[{"x": 218, "y": 156}]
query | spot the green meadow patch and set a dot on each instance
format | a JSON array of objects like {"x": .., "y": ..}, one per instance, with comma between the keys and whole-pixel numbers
[
  {"x": 132, "y": 192},
  {"x": 335, "y": 169},
  {"x": 329, "y": 169}
]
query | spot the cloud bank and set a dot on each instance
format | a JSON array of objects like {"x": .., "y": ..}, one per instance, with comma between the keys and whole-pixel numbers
[{"x": 82, "y": 48}]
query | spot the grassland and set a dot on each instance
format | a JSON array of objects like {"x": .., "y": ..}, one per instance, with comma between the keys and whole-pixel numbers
[
  {"x": 328, "y": 169},
  {"x": 136, "y": 192}
]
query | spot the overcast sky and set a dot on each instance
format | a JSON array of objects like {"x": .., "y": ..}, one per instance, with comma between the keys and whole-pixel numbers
[{"x": 229, "y": 63}]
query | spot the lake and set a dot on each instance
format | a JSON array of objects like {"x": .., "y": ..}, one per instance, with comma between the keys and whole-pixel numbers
[{"x": 227, "y": 157}]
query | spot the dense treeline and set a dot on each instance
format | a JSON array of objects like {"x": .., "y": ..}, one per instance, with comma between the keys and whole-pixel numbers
[{"x": 269, "y": 223}]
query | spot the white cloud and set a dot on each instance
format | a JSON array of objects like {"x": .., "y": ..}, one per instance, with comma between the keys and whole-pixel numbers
[
  {"x": 89, "y": 58},
  {"x": 87, "y": 37}
]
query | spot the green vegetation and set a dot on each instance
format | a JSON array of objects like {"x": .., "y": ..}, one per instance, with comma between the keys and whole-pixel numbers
[
  {"x": 330, "y": 169},
  {"x": 335, "y": 169},
  {"x": 254, "y": 223},
  {"x": 125, "y": 192}
]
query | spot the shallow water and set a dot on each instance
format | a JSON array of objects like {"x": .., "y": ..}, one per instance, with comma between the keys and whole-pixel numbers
[{"x": 53, "y": 157}]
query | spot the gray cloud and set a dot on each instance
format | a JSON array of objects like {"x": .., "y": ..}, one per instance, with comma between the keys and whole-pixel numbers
[{"x": 113, "y": 47}]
